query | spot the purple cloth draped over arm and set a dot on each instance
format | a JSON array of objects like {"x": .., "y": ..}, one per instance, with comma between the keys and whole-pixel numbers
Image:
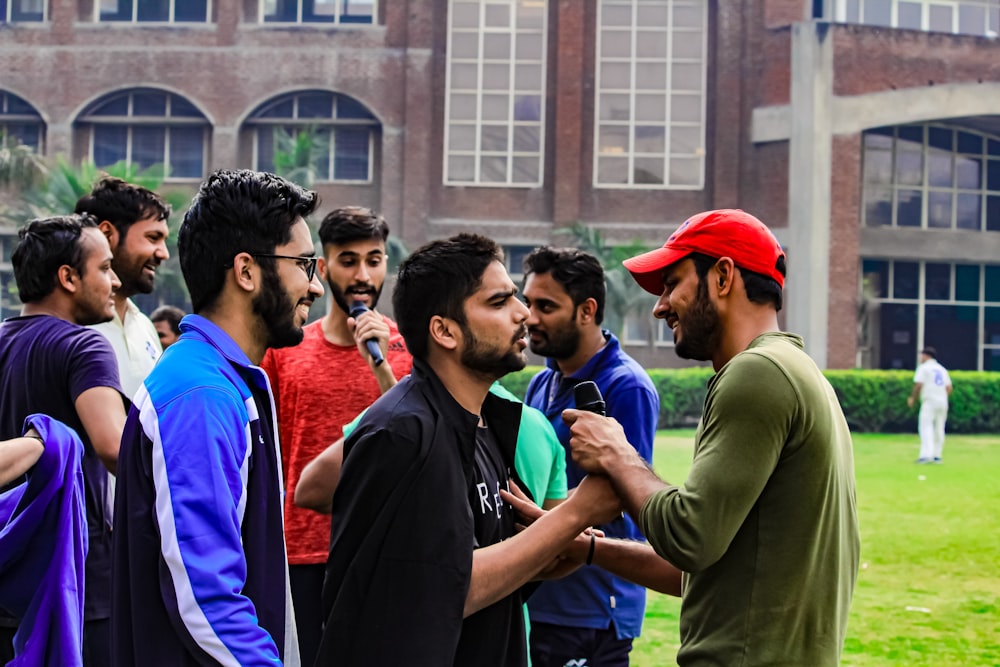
[{"x": 43, "y": 546}]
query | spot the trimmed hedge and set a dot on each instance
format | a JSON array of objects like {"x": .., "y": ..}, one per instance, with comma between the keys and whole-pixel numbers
[{"x": 874, "y": 401}]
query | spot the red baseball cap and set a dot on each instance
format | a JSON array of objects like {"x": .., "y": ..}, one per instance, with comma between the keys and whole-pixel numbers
[{"x": 724, "y": 233}]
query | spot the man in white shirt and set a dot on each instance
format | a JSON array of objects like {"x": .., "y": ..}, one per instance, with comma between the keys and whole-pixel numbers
[
  {"x": 134, "y": 220},
  {"x": 932, "y": 385}
]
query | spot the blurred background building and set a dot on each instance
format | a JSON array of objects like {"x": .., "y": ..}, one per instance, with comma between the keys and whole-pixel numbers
[{"x": 866, "y": 133}]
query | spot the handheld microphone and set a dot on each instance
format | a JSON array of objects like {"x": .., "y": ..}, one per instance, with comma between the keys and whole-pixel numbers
[
  {"x": 588, "y": 397},
  {"x": 358, "y": 308}
]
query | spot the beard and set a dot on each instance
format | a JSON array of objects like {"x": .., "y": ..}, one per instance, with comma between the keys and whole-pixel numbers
[
  {"x": 561, "y": 343},
  {"x": 700, "y": 327},
  {"x": 491, "y": 362},
  {"x": 276, "y": 312},
  {"x": 131, "y": 275},
  {"x": 344, "y": 299}
]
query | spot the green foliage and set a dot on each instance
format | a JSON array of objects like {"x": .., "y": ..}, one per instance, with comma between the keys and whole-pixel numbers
[
  {"x": 64, "y": 183},
  {"x": 297, "y": 154},
  {"x": 20, "y": 166},
  {"x": 624, "y": 297},
  {"x": 874, "y": 401}
]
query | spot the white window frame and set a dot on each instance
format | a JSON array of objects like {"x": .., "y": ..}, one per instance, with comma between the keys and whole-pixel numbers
[
  {"x": 922, "y": 301},
  {"x": 924, "y": 187},
  {"x": 477, "y": 154},
  {"x": 853, "y": 11},
  {"x": 10, "y": 10},
  {"x": 166, "y": 121},
  {"x": 338, "y": 12},
  {"x": 135, "y": 15},
  {"x": 668, "y": 91},
  {"x": 331, "y": 124}
]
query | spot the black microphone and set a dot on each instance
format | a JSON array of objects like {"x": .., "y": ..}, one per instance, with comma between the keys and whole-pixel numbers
[
  {"x": 588, "y": 397},
  {"x": 358, "y": 308}
]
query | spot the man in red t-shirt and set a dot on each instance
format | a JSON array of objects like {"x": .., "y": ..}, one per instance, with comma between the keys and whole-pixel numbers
[{"x": 324, "y": 382}]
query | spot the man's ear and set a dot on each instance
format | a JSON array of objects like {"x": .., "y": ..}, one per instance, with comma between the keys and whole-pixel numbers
[
  {"x": 444, "y": 332},
  {"x": 587, "y": 311},
  {"x": 321, "y": 268},
  {"x": 110, "y": 233},
  {"x": 67, "y": 278},
  {"x": 725, "y": 274},
  {"x": 245, "y": 272}
]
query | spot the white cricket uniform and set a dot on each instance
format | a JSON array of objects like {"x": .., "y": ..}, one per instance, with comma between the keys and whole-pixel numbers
[{"x": 933, "y": 408}]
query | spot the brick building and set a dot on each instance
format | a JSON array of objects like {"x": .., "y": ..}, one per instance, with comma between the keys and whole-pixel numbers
[{"x": 866, "y": 133}]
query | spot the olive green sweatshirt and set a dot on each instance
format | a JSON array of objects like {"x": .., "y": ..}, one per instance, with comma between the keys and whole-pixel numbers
[{"x": 765, "y": 526}]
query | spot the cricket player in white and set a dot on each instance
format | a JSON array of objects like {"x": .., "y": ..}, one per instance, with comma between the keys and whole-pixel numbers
[{"x": 932, "y": 385}]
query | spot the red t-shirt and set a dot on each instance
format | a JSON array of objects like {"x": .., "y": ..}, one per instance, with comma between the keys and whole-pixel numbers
[{"x": 318, "y": 387}]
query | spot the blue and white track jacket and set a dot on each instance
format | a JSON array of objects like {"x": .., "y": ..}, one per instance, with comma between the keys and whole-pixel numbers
[{"x": 201, "y": 575}]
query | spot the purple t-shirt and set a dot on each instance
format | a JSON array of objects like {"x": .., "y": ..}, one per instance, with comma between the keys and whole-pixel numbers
[{"x": 45, "y": 364}]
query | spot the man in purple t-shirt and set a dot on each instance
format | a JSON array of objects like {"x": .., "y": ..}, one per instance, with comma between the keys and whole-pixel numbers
[{"x": 51, "y": 363}]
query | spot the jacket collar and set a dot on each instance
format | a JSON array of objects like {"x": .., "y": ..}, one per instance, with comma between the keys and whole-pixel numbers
[{"x": 196, "y": 326}]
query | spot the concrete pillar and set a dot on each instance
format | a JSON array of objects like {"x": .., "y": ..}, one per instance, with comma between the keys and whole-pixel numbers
[{"x": 810, "y": 154}]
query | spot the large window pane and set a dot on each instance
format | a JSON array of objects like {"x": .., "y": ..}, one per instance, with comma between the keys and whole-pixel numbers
[
  {"x": 341, "y": 131},
  {"x": 906, "y": 280},
  {"x": 187, "y": 152},
  {"x": 153, "y": 10},
  {"x": 898, "y": 335},
  {"x": 966, "y": 282},
  {"x": 953, "y": 331},
  {"x": 937, "y": 281},
  {"x": 110, "y": 144},
  {"x": 875, "y": 278},
  {"x": 138, "y": 126},
  {"x": 495, "y": 86},
  {"x": 652, "y": 79}
]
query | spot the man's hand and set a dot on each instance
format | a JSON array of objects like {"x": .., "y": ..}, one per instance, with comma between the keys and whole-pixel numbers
[
  {"x": 367, "y": 326},
  {"x": 596, "y": 441},
  {"x": 371, "y": 325},
  {"x": 596, "y": 498}
]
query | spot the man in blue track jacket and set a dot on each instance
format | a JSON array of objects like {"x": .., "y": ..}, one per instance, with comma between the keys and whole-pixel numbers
[{"x": 199, "y": 552}]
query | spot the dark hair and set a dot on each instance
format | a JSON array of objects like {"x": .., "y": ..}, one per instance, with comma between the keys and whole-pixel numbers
[
  {"x": 930, "y": 352},
  {"x": 352, "y": 223},
  {"x": 436, "y": 280},
  {"x": 43, "y": 246},
  {"x": 760, "y": 288},
  {"x": 234, "y": 212},
  {"x": 579, "y": 273},
  {"x": 122, "y": 204},
  {"x": 172, "y": 315}
]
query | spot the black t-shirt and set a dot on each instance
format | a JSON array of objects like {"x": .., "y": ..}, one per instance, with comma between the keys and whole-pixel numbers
[{"x": 499, "y": 627}]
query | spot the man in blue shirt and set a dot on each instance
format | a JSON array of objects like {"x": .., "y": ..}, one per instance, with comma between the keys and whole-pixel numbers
[
  {"x": 591, "y": 616},
  {"x": 200, "y": 572}
]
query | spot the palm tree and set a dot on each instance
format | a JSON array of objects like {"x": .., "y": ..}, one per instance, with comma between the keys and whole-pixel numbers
[
  {"x": 624, "y": 297},
  {"x": 299, "y": 152},
  {"x": 20, "y": 166}
]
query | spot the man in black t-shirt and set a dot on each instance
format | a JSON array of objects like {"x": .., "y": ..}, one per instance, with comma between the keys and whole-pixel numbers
[{"x": 425, "y": 566}]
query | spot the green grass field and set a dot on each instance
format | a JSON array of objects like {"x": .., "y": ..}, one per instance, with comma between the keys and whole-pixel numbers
[{"x": 929, "y": 589}]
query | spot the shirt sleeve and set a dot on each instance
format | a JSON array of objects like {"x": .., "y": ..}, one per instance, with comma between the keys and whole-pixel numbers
[
  {"x": 745, "y": 425},
  {"x": 93, "y": 364},
  {"x": 200, "y": 469}
]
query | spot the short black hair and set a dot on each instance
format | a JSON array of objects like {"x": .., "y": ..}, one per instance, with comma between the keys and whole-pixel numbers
[
  {"x": 352, "y": 223},
  {"x": 930, "y": 352},
  {"x": 122, "y": 204},
  {"x": 760, "y": 289},
  {"x": 43, "y": 246},
  {"x": 233, "y": 212},
  {"x": 579, "y": 273},
  {"x": 436, "y": 280},
  {"x": 172, "y": 315}
]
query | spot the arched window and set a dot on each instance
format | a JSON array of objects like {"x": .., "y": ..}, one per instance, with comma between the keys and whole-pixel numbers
[
  {"x": 931, "y": 176},
  {"x": 20, "y": 121},
  {"x": 333, "y": 134},
  {"x": 144, "y": 127}
]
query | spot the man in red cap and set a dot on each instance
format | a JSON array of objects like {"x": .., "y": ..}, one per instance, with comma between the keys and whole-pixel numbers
[{"x": 765, "y": 526}]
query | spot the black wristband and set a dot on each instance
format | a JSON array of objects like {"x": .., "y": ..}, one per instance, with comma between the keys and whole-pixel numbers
[{"x": 590, "y": 552}]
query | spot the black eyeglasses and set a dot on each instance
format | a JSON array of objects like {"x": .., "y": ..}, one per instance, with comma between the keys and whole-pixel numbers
[{"x": 307, "y": 264}]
